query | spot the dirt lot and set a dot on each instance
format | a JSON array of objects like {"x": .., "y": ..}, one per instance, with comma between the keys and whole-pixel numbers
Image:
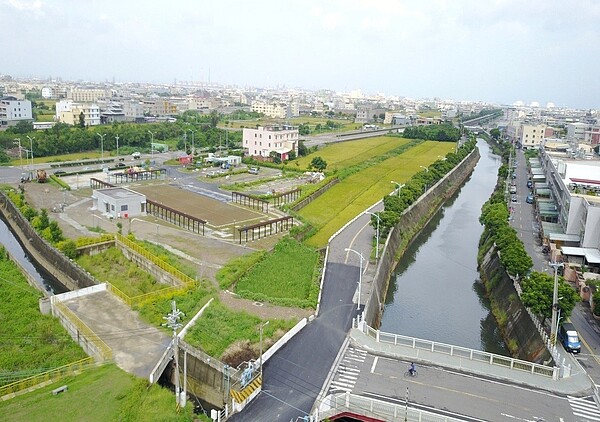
[{"x": 207, "y": 253}]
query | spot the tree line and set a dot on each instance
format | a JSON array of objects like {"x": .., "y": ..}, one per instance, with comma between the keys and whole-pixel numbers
[{"x": 445, "y": 132}]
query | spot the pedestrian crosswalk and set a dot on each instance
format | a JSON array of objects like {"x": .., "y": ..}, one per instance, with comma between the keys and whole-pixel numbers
[
  {"x": 348, "y": 370},
  {"x": 585, "y": 409}
]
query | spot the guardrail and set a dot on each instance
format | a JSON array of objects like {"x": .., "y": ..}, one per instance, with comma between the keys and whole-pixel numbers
[
  {"x": 51, "y": 375},
  {"x": 377, "y": 409},
  {"x": 85, "y": 331},
  {"x": 461, "y": 352}
]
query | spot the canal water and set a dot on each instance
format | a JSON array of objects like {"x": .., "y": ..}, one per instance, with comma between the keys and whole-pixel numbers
[
  {"x": 16, "y": 251},
  {"x": 434, "y": 291}
]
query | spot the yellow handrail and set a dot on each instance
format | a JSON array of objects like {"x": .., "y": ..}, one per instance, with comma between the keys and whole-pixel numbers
[{"x": 53, "y": 374}]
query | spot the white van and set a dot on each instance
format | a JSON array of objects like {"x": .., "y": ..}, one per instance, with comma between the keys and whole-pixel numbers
[{"x": 136, "y": 155}]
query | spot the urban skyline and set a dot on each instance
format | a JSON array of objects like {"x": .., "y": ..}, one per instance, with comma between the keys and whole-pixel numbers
[{"x": 498, "y": 52}]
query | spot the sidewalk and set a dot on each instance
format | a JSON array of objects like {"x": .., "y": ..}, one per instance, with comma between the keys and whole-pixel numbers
[{"x": 576, "y": 385}]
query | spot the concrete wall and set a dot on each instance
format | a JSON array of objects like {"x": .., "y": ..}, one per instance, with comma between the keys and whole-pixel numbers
[
  {"x": 145, "y": 264},
  {"x": 411, "y": 222},
  {"x": 54, "y": 262},
  {"x": 518, "y": 330}
]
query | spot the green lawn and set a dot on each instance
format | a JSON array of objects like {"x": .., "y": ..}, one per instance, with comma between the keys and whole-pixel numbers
[
  {"x": 31, "y": 342},
  {"x": 220, "y": 327},
  {"x": 287, "y": 275},
  {"x": 354, "y": 194},
  {"x": 345, "y": 154},
  {"x": 100, "y": 394}
]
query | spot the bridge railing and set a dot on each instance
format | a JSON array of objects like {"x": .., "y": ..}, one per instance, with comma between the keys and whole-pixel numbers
[
  {"x": 336, "y": 404},
  {"x": 460, "y": 352}
]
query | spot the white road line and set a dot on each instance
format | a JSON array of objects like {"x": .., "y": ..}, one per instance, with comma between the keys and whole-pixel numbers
[
  {"x": 348, "y": 368},
  {"x": 586, "y": 416},
  {"x": 374, "y": 364}
]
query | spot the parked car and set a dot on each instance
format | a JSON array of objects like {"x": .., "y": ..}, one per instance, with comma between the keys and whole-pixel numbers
[
  {"x": 514, "y": 198},
  {"x": 529, "y": 184},
  {"x": 57, "y": 172},
  {"x": 136, "y": 155},
  {"x": 569, "y": 338},
  {"x": 529, "y": 199},
  {"x": 121, "y": 165},
  {"x": 253, "y": 170}
]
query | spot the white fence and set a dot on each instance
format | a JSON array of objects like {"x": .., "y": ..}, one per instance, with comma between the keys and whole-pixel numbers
[
  {"x": 460, "y": 352},
  {"x": 346, "y": 402}
]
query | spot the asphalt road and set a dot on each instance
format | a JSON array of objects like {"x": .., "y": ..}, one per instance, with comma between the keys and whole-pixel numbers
[
  {"x": 524, "y": 221},
  {"x": 450, "y": 393}
]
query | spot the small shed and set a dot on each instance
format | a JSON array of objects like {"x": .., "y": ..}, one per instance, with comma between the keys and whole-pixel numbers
[{"x": 119, "y": 202}]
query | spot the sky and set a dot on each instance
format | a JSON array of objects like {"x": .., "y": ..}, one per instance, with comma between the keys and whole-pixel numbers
[{"x": 498, "y": 51}]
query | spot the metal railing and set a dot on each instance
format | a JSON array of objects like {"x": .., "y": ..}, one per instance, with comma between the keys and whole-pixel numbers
[
  {"x": 377, "y": 409},
  {"x": 85, "y": 331},
  {"x": 460, "y": 352},
  {"x": 51, "y": 375}
]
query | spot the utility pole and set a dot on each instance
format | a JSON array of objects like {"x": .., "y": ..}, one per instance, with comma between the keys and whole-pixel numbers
[
  {"x": 20, "y": 151},
  {"x": 31, "y": 138},
  {"x": 174, "y": 324},
  {"x": 101, "y": 144},
  {"x": 554, "y": 326},
  {"x": 261, "y": 352},
  {"x": 117, "y": 138}
]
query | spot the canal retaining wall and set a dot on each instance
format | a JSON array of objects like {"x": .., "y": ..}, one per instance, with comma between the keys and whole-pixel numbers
[
  {"x": 410, "y": 224},
  {"x": 519, "y": 331},
  {"x": 54, "y": 262}
]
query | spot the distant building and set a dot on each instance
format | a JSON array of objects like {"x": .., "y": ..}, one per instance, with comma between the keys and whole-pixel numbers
[
  {"x": 363, "y": 115},
  {"x": 13, "y": 111},
  {"x": 532, "y": 135},
  {"x": 275, "y": 110},
  {"x": 576, "y": 131},
  {"x": 68, "y": 112},
  {"x": 47, "y": 92},
  {"x": 263, "y": 141},
  {"x": 86, "y": 95}
]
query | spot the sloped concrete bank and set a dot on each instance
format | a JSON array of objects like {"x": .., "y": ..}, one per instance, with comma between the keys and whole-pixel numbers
[{"x": 518, "y": 330}]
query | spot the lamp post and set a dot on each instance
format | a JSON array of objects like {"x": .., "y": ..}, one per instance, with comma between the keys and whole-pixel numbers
[
  {"x": 117, "y": 138},
  {"x": 151, "y": 144},
  {"x": 31, "y": 138},
  {"x": 377, "y": 238},
  {"x": 427, "y": 171},
  {"x": 101, "y": 144},
  {"x": 193, "y": 147},
  {"x": 359, "y": 274},
  {"x": 18, "y": 142},
  {"x": 261, "y": 352},
  {"x": 554, "y": 325},
  {"x": 398, "y": 187}
]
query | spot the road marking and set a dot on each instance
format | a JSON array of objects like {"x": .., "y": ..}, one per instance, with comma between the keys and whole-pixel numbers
[
  {"x": 585, "y": 407},
  {"x": 587, "y": 346},
  {"x": 374, "y": 364},
  {"x": 352, "y": 243}
]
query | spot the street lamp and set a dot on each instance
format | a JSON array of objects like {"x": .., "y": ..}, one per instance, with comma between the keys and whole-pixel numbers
[
  {"x": 377, "y": 238},
  {"x": 101, "y": 144},
  {"x": 31, "y": 148},
  {"x": 398, "y": 187},
  {"x": 152, "y": 144},
  {"x": 427, "y": 171},
  {"x": 554, "y": 326},
  {"x": 117, "y": 138},
  {"x": 18, "y": 142},
  {"x": 359, "y": 274},
  {"x": 261, "y": 352}
]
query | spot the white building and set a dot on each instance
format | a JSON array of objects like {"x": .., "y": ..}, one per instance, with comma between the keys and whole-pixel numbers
[
  {"x": 263, "y": 141},
  {"x": 68, "y": 112},
  {"x": 275, "y": 110},
  {"x": 119, "y": 202},
  {"x": 47, "y": 92},
  {"x": 86, "y": 95},
  {"x": 13, "y": 111},
  {"x": 576, "y": 131}
]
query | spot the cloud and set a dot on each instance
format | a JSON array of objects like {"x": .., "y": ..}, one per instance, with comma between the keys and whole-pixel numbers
[{"x": 35, "y": 6}]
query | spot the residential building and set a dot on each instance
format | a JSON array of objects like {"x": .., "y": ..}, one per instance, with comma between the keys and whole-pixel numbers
[
  {"x": 532, "y": 135},
  {"x": 133, "y": 110},
  {"x": 275, "y": 110},
  {"x": 363, "y": 115},
  {"x": 576, "y": 131},
  {"x": 592, "y": 135},
  {"x": 86, "y": 95},
  {"x": 68, "y": 112},
  {"x": 13, "y": 111},
  {"x": 47, "y": 92},
  {"x": 263, "y": 141}
]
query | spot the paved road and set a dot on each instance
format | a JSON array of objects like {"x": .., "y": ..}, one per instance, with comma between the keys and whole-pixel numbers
[
  {"x": 524, "y": 222},
  {"x": 452, "y": 393}
]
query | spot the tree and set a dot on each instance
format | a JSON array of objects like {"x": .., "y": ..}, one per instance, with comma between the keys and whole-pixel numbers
[
  {"x": 495, "y": 133},
  {"x": 318, "y": 164},
  {"x": 22, "y": 127},
  {"x": 302, "y": 150},
  {"x": 538, "y": 289},
  {"x": 81, "y": 120},
  {"x": 214, "y": 118}
]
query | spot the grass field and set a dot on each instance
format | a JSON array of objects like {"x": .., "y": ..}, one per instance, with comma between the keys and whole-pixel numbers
[
  {"x": 77, "y": 156},
  {"x": 111, "y": 265},
  {"x": 354, "y": 194},
  {"x": 294, "y": 279},
  {"x": 220, "y": 327},
  {"x": 31, "y": 342},
  {"x": 346, "y": 154},
  {"x": 99, "y": 394}
]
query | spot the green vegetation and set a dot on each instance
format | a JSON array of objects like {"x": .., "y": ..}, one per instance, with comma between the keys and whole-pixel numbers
[
  {"x": 537, "y": 295},
  {"x": 287, "y": 276},
  {"x": 220, "y": 327},
  {"x": 165, "y": 255},
  {"x": 443, "y": 132},
  {"x": 231, "y": 272},
  {"x": 347, "y": 154},
  {"x": 105, "y": 393},
  {"x": 31, "y": 343},
  {"x": 111, "y": 265},
  {"x": 362, "y": 183}
]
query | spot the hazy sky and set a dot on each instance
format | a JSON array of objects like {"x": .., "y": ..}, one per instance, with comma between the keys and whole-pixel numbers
[{"x": 488, "y": 50}]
